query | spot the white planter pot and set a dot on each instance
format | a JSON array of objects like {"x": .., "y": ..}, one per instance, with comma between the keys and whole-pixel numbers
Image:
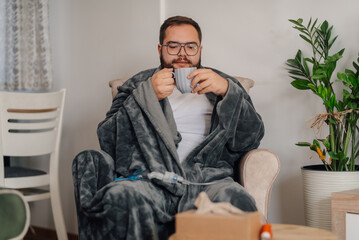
[{"x": 318, "y": 185}]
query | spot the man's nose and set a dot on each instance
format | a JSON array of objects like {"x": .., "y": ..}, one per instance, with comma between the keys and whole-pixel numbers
[{"x": 182, "y": 51}]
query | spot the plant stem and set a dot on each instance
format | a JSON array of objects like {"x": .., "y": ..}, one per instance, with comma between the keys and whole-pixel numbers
[
  {"x": 354, "y": 145},
  {"x": 348, "y": 136},
  {"x": 332, "y": 143}
]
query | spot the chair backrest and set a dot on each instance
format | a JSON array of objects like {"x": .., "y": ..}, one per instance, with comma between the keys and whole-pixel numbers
[{"x": 30, "y": 123}]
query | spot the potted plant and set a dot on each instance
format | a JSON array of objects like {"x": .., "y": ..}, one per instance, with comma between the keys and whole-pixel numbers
[{"x": 340, "y": 149}]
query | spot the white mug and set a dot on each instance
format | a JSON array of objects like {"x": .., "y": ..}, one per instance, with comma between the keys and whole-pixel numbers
[{"x": 183, "y": 84}]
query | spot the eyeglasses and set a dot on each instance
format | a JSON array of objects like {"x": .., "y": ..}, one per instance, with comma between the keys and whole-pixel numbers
[{"x": 174, "y": 48}]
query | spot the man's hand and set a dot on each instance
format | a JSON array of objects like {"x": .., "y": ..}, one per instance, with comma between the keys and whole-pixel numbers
[
  {"x": 208, "y": 81},
  {"x": 163, "y": 83}
]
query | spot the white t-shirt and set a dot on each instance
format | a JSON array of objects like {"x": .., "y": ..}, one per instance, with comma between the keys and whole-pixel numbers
[{"x": 192, "y": 113}]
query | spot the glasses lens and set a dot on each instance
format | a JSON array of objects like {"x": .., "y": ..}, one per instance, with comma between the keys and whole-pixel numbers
[
  {"x": 191, "y": 48},
  {"x": 173, "y": 48}
]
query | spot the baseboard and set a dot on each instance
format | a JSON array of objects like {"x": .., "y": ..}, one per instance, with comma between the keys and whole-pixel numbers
[{"x": 40, "y": 233}]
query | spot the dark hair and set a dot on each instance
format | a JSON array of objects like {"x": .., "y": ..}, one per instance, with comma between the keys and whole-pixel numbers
[{"x": 179, "y": 20}]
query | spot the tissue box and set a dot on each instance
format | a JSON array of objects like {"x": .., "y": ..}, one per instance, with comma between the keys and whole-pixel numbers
[{"x": 190, "y": 225}]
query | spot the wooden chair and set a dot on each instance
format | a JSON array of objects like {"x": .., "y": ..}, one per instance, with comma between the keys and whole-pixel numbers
[{"x": 30, "y": 126}]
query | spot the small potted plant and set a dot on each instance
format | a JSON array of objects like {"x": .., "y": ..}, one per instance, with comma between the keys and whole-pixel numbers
[{"x": 340, "y": 149}]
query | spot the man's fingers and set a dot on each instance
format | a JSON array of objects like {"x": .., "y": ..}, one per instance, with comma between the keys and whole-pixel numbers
[
  {"x": 199, "y": 78},
  {"x": 164, "y": 91},
  {"x": 164, "y": 82},
  {"x": 201, "y": 87},
  {"x": 168, "y": 81},
  {"x": 198, "y": 71}
]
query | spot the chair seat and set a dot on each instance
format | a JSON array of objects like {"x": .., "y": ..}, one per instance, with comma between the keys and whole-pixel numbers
[{"x": 14, "y": 172}]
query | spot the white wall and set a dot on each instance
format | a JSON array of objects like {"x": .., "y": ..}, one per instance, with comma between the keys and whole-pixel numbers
[{"x": 96, "y": 41}]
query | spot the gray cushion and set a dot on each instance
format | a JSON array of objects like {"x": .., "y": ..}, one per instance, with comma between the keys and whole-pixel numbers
[{"x": 12, "y": 172}]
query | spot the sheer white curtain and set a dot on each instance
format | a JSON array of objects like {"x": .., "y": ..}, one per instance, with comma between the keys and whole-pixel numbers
[{"x": 25, "y": 54}]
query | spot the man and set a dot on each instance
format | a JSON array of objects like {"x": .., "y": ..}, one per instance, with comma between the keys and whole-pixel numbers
[{"x": 152, "y": 127}]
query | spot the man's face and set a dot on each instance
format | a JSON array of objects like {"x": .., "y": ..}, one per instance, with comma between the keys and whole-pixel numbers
[{"x": 184, "y": 33}]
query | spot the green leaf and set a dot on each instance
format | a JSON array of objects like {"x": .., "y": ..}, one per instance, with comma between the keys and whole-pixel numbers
[
  {"x": 332, "y": 121},
  {"x": 305, "y": 38},
  {"x": 340, "y": 53},
  {"x": 342, "y": 76},
  {"x": 297, "y": 22},
  {"x": 309, "y": 60},
  {"x": 336, "y": 56},
  {"x": 303, "y": 144},
  {"x": 314, "y": 24},
  {"x": 350, "y": 72},
  {"x": 329, "y": 34},
  {"x": 318, "y": 77},
  {"x": 298, "y": 56},
  {"x": 301, "y": 84},
  {"x": 324, "y": 26},
  {"x": 341, "y": 156},
  {"x": 296, "y": 72},
  {"x": 325, "y": 93},
  {"x": 302, "y": 30},
  {"x": 353, "y": 81},
  {"x": 313, "y": 87},
  {"x": 326, "y": 143},
  {"x": 356, "y": 66},
  {"x": 292, "y": 63},
  {"x": 333, "y": 155},
  {"x": 330, "y": 71},
  {"x": 316, "y": 143},
  {"x": 332, "y": 42},
  {"x": 340, "y": 106},
  {"x": 329, "y": 91},
  {"x": 332, "y": 102},
  {"x": 305, "y": 65},
  {"x": 310, "y": 21}
]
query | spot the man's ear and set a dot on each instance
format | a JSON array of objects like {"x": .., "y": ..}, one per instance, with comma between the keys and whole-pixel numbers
[{"x": 159, "y": 46}]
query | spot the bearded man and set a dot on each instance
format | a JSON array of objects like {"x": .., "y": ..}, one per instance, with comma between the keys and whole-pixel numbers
[{"x": 152, "y": 127}]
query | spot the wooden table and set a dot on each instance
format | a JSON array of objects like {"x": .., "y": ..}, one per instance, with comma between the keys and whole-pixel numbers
[
  {"x": 298, "y": 232},
  {"x": 294, "y": 232}
]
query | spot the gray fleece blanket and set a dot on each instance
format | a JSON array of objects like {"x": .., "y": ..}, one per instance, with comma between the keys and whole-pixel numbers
[{"x": 139, "y": 132}]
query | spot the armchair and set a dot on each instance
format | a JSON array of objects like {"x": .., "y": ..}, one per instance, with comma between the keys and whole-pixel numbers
[{"x": 257, "y": 170}]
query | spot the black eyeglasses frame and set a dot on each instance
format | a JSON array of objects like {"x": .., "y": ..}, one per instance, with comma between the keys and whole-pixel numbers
[{"x": 182, "y": 46}]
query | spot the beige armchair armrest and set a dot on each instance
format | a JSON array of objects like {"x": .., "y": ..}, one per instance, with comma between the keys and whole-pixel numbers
[{"x": 258, "y": 170}]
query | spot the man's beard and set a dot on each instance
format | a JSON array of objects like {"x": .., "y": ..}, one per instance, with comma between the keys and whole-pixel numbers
[{"x": 181, "y": 58}]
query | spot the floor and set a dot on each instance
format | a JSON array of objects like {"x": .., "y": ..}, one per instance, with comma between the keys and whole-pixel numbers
[{"x": 39, "y": 233}]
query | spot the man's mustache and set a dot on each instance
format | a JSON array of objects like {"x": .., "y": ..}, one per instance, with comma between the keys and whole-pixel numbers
[{"x": 181, "y": 60}]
